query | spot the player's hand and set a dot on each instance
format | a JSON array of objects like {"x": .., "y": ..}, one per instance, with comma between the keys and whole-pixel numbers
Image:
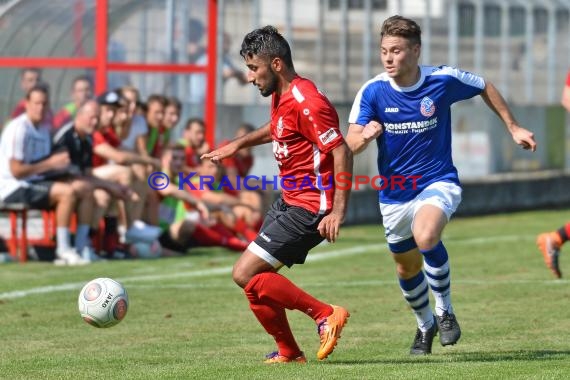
[
  {"x": 371, "y": 130},
  {"x": 221, "y": 153},
  {"x": 524, "y": 138},
  {"x": 329, "y": 226}
]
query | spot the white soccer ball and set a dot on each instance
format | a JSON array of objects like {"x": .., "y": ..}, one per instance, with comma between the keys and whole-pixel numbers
[
  {"x": 144, "y": 250},
  {"x": 103, "y": 302}
]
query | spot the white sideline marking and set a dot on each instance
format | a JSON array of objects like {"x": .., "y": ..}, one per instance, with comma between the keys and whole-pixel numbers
[
  {"x": 317, "y": 256},
  {"x": 197, "y": 273}
]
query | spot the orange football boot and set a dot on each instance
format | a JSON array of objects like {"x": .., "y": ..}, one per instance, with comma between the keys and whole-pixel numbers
[
  {"x": 329, "y": 330},
  {"x": 549, "y": 244},
  {"x": 275, "y": 358}
]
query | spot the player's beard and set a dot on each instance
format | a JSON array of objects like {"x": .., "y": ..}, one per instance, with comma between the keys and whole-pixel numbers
[{"x": 271, "y": 84}]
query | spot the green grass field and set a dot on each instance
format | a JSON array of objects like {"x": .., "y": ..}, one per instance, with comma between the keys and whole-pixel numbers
[{"x": 187, "y": 320}]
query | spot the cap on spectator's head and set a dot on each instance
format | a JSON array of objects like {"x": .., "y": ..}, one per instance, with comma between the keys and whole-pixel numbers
[{"x": 109, "y": 98}]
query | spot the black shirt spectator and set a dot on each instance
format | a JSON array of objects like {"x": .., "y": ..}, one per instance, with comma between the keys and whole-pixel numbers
[{"x": 80, "y": 150}]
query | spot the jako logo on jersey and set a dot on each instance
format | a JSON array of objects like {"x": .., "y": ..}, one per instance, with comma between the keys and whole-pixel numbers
[
  {"x": 427, "y": 107},
  {"x": 391, "y": 109},
  {"x": 280, "y": 127},
  {"x": 328, "y": 136}
]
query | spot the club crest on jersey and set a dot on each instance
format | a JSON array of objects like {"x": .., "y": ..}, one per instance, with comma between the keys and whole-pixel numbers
[
  {"x": 280, "y": 127},
  {"x": 427, "y": 107}
]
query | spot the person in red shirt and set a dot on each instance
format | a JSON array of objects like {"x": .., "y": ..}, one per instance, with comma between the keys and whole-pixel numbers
[
  {"x": 29, "y": 78},
  {"x": 308, "y": 146},
  {"x": 194, "y": 139},
  {"x": 242, "y": 162},
  {"x": 81, "y": 91},
  {"x": 112, "y": 163},
  {"x": 236, "y": 168},
  {"x": 158, "y": 136}
]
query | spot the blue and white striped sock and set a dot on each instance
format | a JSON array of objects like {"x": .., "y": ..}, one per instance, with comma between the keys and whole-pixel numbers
[
  {"x": 436, "y": 265},
  {"x": 416, "y": 293}
]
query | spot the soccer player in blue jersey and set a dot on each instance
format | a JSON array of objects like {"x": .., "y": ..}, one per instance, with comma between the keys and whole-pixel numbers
[{"x": 406, "y": 110}]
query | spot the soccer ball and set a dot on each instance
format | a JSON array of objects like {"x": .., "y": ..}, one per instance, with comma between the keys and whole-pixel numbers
[
  {"x": 103, "y": 302},
  {"x": 144, "y": 250}
]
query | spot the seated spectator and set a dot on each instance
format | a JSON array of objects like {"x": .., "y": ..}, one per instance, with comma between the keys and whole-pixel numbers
[
  {"x": 172, "y": 113},
  {"x": 131, "y": 127},
  {"x": 76, "y": 139},
  {"x": 180, "y": 232},
  {"x": 158, "y": 136},
  {"x": 240, "y": 165},
  {"x": 238, "y": 216},
  {"x": 81, "y": 91},
  {"x": 30, "y": 77},
  {"x": 112, "y": 163},
  {"x": 30, "y": 174},
  {"x": 194, "y": 140}
]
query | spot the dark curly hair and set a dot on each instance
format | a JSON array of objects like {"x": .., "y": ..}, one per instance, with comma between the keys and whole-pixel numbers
[{"x": 267, "y": 42}]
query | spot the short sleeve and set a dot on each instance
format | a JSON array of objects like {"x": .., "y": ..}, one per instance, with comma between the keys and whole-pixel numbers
[
  {"x": 363, "y": 109},
  {"x": 318, "y": 121},
  {"x": 14, "y": 134},
  {"x": 98, "y": 138}
]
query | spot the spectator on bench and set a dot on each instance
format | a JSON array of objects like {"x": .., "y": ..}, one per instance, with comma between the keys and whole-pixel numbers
[
  {"x": 114, "y": 164},
  {"x": 76, "y": 139},
  {"x": 81, "y": 91},
  {"x": 30, "y": 174}
]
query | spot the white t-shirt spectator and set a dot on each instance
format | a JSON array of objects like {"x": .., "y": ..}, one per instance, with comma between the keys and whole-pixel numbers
[
  {"x": 138, "y": 128},
  {"x": 22, "y": 141}
]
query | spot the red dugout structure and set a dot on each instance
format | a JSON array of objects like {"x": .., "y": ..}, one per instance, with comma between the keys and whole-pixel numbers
[{"x": 100, "y": 64}]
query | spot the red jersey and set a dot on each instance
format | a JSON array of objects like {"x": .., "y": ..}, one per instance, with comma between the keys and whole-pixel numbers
[
  {"x": 568, "y": 79},
  {"x": 107, "y": 136},
  {"x": 19, "y": 109},
  {"x": 304, "y": 129}
]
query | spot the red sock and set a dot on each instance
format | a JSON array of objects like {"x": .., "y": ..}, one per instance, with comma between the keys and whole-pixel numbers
[
  {"x": 280, "y": 291},
  {"x": 236, "y": 244},
  {"x": 207, "y": 237},
  {"x": 274, "y": 320},
  {"x": 223, "y": 230},
  {"x": 567, "y": 230}
]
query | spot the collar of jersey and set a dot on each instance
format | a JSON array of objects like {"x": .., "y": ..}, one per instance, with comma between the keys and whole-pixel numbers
[{"x": 412, "y": 87}]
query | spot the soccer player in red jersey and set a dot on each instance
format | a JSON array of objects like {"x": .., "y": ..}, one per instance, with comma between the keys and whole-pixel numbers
[{"x": 308, "y": 147}]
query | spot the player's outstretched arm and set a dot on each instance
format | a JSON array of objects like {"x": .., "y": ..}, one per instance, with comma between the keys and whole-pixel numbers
[
  {"x": 359, "y": 136},
  {"x": 330, "y": 225},
  {"x": 257, "y": 137},
  {"x": 496, "y": 102}
]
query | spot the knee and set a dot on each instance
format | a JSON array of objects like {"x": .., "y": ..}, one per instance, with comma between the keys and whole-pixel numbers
[
  {"x": 426, "y": 239},
  {"x": 83, "y": 189},
  {"x": 102, "y": 198},
  {"x": 125, "y": 177},
  {"x": 241, "y": 276},
  {"x": 66, "y": 193}
]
